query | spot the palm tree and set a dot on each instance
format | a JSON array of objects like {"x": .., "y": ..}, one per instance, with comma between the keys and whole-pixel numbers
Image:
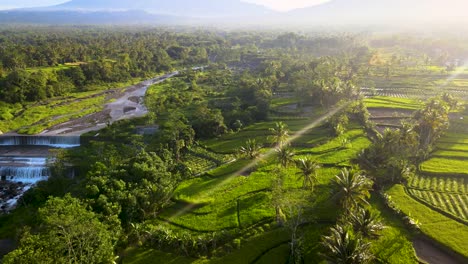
[
  {"x": 352, "y": 189},
  {"x": 341, "y": 248},
  {"x": 285, "y": 156},
  {"x": 309, "y": 168},
  {"x": 365, "y": 222},
  {"x": 277, "y": 191},
  {"x": 251, "y": 149},
  {"x": 280, "y": 134},
  {"x": 433, "y": 120}
]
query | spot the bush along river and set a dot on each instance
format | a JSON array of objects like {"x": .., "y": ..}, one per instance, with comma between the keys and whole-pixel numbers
[{"x": 25, "y": 160}]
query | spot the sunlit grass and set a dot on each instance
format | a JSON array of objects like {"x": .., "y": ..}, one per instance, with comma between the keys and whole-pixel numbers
[
  {"x": 36, "y": 118},
  {"x": 393, "y": 103},
  {"x": 33, "y": 118},
  {"x": 437, "y": 226},
  {"x": 445, "y": 166},
  {"x": 53, "y": 68},
  {"x": 394, "y": 243}
]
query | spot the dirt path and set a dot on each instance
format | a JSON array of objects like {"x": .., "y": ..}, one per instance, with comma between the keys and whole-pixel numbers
[{"x": 431, "y": 254}]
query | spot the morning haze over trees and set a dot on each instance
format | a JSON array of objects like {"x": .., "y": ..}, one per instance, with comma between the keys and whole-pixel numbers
[{"x": 230, "y": 132}]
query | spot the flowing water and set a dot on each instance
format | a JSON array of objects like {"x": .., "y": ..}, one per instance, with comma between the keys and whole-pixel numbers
[
  {"x": 24, "y": 159},
  {"x": 24, "y": 162},
  {"x": 50, "y": 141}
]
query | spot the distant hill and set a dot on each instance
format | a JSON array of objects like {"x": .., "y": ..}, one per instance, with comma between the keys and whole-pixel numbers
[
  {"x": 87, "y": 18},
  {"x": 239, "y": 13},
  {"x": 187, "y": 8},
  {"x": 393, "y": 11}
]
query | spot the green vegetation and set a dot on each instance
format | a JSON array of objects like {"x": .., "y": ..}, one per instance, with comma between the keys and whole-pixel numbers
[
  {"x": 50, "y": 69},
  {"x": 444, "y": 166},
  {"x": 267, "y": 154},
  {"x": 148, "y": 256},
  {"x": 392, "y": 103},
  {"x": 441, "y": 228},
  {"x": 442, "y": 179},
  {"x": 449, "y": 159},
  {"x": 34, "y": 119},
  {"x": 62, "y": 221}
]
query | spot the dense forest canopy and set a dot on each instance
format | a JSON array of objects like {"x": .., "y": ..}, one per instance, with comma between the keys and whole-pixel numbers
[{"x": 259, "y": 136}]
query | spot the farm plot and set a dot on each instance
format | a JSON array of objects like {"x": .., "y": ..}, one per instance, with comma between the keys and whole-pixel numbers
[
  {"x": 388, "y": 112},
  {"x": 443, "y": 179},
  {"x": 420, "y": 83},
  {"x": 451, "y": 157},
  {"x": 440, "y": 227},
  {"x": 232, "y": 201},
  {"x": 223, "y": 200},
  {"x": 449, "y": 194},
  {"x": 230, "y": 143},
  {"x": 396, "y": 104},
  {"x": 200, "y": 160},
  {"x": 454, "y": 204}
]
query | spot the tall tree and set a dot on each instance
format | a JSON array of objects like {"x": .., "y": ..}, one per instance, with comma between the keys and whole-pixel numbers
[
  {"x": 277, "y": 189},
  {"x": 285, "y": 156},
  {"x": 251, "y": 149},
  {"x": 432, "y": 120},
  {"x": 342, "y": 248},
  {"x": 68, "y": 233},
  {"x": 280, "y": 134},
  {"x": 177, "y": 133},
  {"x": 352, "y": 189},
  {"x": 308, "y": 167},
  {"x": 365, "y": 222}
]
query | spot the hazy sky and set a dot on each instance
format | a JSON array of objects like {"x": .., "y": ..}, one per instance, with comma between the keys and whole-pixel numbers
[
  {"x": 281, "y": 5},
  {"x": 284, "y": 5},
  {"x": 6, "y": 4}
]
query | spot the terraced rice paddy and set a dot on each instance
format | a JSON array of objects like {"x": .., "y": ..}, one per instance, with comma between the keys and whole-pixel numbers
[
  {"x": 440, "y": 227},
  {"x": 450, "y": 157},
  {"x": 440, "y": 190},
  {"x": 449, "y": 194},
  {"x": 393, "y": 103},
  {"x": 443, "y": 179},
  {"x": 224, "y": 200},
  {"x": 444, "y": 184},
  {"x": 200, "y": 160}
]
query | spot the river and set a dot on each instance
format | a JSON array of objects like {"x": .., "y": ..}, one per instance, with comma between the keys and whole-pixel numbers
[{"x": 25, "y": 160}]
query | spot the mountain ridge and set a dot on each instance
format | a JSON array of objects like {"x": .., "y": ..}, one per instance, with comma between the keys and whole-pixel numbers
[
  {"x": 190, "y": 8},
  {"x": 237, "y": 12},
  {"x": 383, "y": 10}
]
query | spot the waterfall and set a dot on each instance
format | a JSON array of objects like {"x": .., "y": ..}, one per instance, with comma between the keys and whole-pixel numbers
[
  {"x": 51, "y": 141},
  {"x": 24, "y": 174},
  {"x": 41, "y": 161}
]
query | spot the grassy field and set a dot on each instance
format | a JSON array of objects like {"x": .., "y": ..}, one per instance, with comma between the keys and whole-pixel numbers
[
  {"x": 394, "y": 245},
  {"x": 53, "y": 68},
  {"x": 230, "y": 143},
  {"x": 224, "y": 199},
  {"x": 393, "y": 103},
  {"x": 443, "y": 182},
  {"x": 438, "y": 196},
  {"x": 33, "y": 118},
  {"x": 441, "y": 228},
  {"x": 228, "y": 200},
  {"x": 418, "y": 80},
  {"x": 445, "y": 166}
]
